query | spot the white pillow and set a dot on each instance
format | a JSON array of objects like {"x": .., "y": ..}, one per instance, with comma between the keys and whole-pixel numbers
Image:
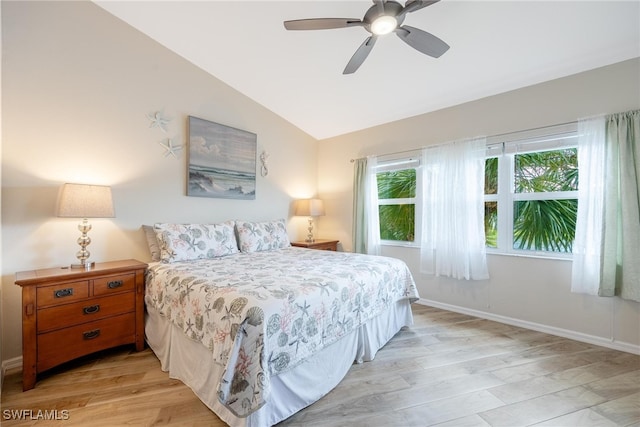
[
  {"x": 152, "y": 242},
  {"x": 262, "y": 236},
  {"x": 185, "y": 242}
]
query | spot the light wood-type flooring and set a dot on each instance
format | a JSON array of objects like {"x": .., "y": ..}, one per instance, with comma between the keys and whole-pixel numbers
[{"x": 448, "y": 369}]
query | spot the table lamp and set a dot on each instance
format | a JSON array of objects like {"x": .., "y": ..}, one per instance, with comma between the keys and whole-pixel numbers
[
  {"x": 85, "y": 201},
  {"x": 310, "y": 208}
]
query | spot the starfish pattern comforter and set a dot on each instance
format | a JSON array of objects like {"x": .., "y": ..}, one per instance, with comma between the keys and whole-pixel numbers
[{"x": 263, "y": 313}]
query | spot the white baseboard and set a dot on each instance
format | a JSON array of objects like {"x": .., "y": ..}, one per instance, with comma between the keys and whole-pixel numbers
[
  {"x": 552, "y": 330},
  {"x": 10, "y": 364}
]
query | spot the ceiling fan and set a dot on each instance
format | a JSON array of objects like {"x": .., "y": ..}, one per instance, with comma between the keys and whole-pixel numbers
[{"x": 382, "y": 18}]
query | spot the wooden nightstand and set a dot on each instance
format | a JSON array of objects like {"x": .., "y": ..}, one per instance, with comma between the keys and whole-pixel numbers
[
  {"x": 326, "y": 245},
  {"x": 68, "y": 313}
]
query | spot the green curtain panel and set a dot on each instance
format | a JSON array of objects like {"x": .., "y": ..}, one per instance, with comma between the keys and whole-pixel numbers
[
  {"x": 621, "y": 248},
  {"x": 366, "y": 224},
  {"x": 607, "y": 246},
  {"x": 359, "y": 236}
]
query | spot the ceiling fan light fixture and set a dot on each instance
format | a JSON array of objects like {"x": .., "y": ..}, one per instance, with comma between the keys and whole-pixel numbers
[{"x": 383, "y": 24}]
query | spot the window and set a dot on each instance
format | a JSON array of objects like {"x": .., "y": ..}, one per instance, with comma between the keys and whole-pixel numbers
[
  {"x": 531, "y": 196},
  {"x": 398, "y": 206}
]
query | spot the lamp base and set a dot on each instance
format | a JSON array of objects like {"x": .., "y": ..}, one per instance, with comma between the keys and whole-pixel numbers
[
  {"x": 87, "y": 265},
  {"x": 83, "y": 254},
  {"x": 310, "y": 238}
]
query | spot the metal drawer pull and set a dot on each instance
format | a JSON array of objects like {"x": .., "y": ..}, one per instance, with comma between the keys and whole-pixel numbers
[
  {"x": 91, "y": 309},
  {"x": 91, "y": 334},
  {"x": 61, "y": 293},
  {"x": 114, "y": 284}
]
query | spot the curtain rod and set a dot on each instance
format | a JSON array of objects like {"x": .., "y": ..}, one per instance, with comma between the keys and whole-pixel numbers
[{"x": 500, "y": 135}]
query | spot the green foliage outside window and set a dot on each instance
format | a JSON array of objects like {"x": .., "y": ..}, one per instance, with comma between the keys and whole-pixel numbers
[
  {"x": 491, "y": 208},
  {"x": 397, "y": 221},
  {"x": 546, "y": 171},
  {"x": 547, "y": 225},
  {"x": 542, "y": 225}
]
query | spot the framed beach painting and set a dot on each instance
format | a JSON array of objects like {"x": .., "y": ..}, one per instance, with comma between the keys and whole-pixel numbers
[{"x": 222, "y": 161}]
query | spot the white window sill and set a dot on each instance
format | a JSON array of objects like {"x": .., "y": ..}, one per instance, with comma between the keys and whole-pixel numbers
[
  {"x": 522, "y": 254},
  {"x": 400, "y": 244},
  {"x": 538, "y": 255}
]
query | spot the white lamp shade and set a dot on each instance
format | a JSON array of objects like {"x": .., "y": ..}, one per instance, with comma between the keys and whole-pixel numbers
[
  {"x": 309, "y": 207},
  {"x": 85, "y": 201}
]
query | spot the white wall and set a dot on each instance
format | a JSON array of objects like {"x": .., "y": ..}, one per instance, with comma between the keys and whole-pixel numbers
[
  {"x": 528, "y": 291},
  {"x": 77, "y": 85}
]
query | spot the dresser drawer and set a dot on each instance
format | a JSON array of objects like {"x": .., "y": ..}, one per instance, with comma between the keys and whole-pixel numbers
[
  {"x": 84, "y": 311},
  {"x": 62, "y": 293},
  {"x": 59, "y": 346},
  {"x": 110, "y": 284}
]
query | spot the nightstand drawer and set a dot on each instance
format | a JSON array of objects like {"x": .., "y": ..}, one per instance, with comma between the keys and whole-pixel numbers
[
  {"x": 62, "y": 293},
  {"x": 53, "y": 318},
  {"x": 110, "y": 284},
  {"x": 66, "y": 344},
  {"x": 325, "y": 246},
  {"x": 321, "y": 244}
]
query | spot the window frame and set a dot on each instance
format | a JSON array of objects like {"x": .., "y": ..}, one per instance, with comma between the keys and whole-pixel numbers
[
  {"x": 405, "y": 161},
  {"x": 505, "y": 148}
]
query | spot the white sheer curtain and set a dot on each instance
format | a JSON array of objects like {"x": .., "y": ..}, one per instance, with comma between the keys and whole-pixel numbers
[
  {"x": 453, "y": 239},
  {"x": 587, "y": 246},
  {"x": 606, "y": 251}
]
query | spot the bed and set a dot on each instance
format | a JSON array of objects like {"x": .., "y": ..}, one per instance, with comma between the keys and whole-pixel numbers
[{"x": 259, "y": 329}]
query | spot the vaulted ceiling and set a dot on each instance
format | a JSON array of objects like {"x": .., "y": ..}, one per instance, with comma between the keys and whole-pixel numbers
[{"x": 496, "y": 46}]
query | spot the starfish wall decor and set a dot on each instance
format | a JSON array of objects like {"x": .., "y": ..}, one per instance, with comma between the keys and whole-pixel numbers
[
  {"x": 158, "y": 120},
  {"x": 169, "y": 148}
]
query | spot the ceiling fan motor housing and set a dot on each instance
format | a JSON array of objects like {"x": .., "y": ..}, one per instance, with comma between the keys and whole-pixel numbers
[{"x": 391, "y": 8}]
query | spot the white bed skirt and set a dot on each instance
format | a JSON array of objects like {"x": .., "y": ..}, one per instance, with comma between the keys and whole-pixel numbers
[{"x": 191, "y": 362}]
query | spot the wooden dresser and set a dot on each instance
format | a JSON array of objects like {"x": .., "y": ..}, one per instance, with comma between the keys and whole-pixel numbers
[
  {"x": 68, "y": 313},
  {"x": 327, "y": 245}
]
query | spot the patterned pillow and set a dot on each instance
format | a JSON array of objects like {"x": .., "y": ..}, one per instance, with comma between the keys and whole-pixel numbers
[
  {"x": 185, "y": 242},
  {"x": 262, "y": 236}
]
